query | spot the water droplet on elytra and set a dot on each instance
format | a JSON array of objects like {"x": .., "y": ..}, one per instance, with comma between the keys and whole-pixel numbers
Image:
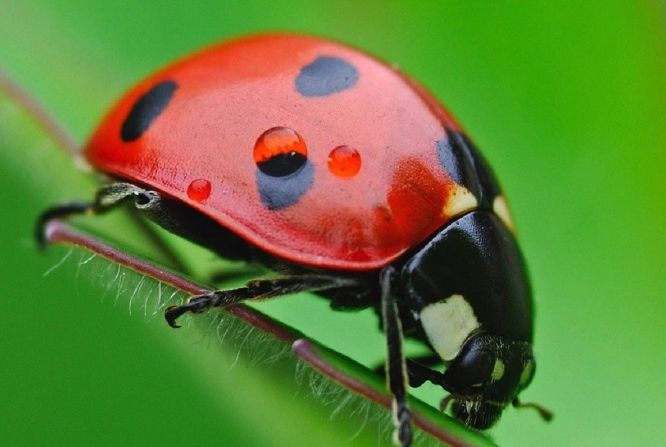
[
  {"x": 344, "y": 161},
  {"x": 199, "y": 190}
]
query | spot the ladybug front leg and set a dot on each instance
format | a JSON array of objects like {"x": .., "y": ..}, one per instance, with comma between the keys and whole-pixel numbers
[
  {"x": 420, "y": 371},
  {"x": 396, "y": 371},
  {"x": 261, "y": 289}
]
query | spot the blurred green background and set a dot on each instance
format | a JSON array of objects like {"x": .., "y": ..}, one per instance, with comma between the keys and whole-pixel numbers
[{"x": 567, "y": 100}]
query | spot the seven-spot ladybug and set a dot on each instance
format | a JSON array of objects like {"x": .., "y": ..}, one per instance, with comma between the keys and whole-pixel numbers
[{"x": 348, "y": 178}]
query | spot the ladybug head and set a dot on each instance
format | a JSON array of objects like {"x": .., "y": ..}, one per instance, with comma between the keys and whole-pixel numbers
[
  {"x": 487, "y": 376},
  {"x": 471, "y": 301}
]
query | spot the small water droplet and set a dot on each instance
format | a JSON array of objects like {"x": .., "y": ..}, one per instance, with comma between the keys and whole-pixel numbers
[
  {"x": 344, "y": 161},
  {"x": 199, "y": 190}
]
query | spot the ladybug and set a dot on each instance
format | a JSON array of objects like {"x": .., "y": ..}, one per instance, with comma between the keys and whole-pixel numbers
[{"x": 348, "y": 179}]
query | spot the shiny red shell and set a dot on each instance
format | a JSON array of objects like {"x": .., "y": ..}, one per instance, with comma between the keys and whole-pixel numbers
[{"x": 371, "y": 186}]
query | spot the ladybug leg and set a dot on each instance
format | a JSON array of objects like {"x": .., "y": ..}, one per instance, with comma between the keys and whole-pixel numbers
[
  {"x": 260, "y": 289},
  {"x": 396, "y": 371},
  {"x": 56, "y": 212},
  {"x": 107, "y": 197},
  {"x": 420, "y": 370}
]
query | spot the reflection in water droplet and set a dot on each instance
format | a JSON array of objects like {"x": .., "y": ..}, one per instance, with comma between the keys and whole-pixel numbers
[{"x": 280, "y": 151}]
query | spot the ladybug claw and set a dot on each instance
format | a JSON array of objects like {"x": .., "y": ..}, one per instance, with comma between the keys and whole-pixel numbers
[
  {"x": 196, "y": 304},
  {"x": 172, "y": 313}
]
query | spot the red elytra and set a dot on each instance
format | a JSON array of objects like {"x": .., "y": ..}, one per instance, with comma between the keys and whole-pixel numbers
[{"x": 360, "y": 213}]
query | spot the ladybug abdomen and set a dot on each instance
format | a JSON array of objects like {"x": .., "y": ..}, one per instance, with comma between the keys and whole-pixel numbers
[{"x": 310, "y": 150}]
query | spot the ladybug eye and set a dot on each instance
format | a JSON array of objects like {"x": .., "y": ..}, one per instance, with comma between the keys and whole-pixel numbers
[
  {"x": 280, "y": 151},
  {"x": 344, "y": 161}
]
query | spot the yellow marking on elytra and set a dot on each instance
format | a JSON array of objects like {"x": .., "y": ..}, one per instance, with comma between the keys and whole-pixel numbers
[
  {"x": 460, "y": 200},
  {"x": 501, "y": 209}
]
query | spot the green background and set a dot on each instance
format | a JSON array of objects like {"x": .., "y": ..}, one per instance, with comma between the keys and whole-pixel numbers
[{"x": 567, "y": 100}]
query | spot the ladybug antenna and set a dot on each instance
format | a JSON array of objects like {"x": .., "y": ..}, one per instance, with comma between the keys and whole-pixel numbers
[{"x": 545, "y": 413}]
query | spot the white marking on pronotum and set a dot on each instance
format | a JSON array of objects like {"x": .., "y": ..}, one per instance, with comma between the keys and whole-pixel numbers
[{"x": 448, "y": 323}]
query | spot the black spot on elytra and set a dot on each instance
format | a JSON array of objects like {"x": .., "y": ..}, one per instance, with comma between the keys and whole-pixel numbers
[
  {"x": 325, "y": 76},
  {"x": 284, "y": 191},
  {"x": 467, "y": 167},
  {"x": 147, "y": 108},
  {"x": 282, "y": 165}
]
